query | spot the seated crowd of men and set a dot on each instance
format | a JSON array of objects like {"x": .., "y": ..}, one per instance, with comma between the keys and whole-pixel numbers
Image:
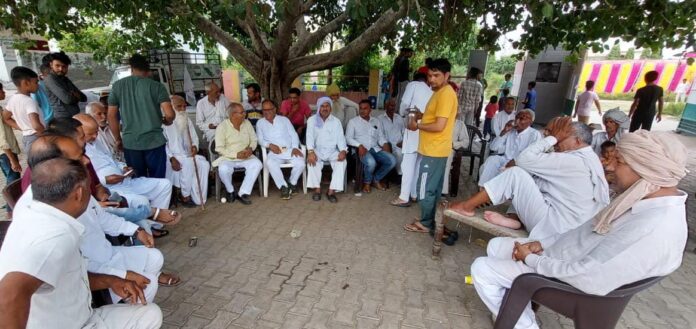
[{"x": 78, "y": 191}]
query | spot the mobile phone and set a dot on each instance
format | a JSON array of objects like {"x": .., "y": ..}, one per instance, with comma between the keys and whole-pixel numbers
[
  {"x": 115, "y": 197},
  {"x": 129, "y": 172}
]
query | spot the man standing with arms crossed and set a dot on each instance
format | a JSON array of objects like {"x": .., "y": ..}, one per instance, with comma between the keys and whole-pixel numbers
[
  {"x": 140, "y": 102},
  {"x": 435, "y": 142}
]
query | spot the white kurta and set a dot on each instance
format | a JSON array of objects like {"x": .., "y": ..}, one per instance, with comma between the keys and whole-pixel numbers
[
  {"x": 327, "y": 141},
  {"x": 508, "y": 147},
  {"x": 567, "y": 190},
  {"x": 393, "y": 131},
  {"x": 417, "y": 94},
  {"x": 599, "y": 138},
  {"x": 344, "y": 110},
  {"x": 283, "y": 134},
  {"x": 208, "y": 113},
  {"x": 646, "y": 241},
  {"x": 107, "y": 143},
  {"x": 500, "y": 119},
  {"x": 157, "y": 190},
  {"x": 179, "y": 147},
  {"x": 460, "y": 140}
]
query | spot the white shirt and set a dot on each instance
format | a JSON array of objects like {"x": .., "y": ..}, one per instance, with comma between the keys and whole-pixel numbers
[
  {"x": 460, "y": 136},
  {"x": 586, "y": 101},
  {"x": 646, "y": 241},
  {"x": 344, "y": 110},
  {"x": 365, "y": 133},
  {"x": 572, "y": 182},
  {"x": 681, "y": 88},
  {"x": 101, "y": 256},
  {"x": 327, "y": 139},
  {"x": 207, "y": 113},
  {"x": 280, "y": 132},
  {"x": 500, "y": 119},
  {"x": 21, "y": 106},
  {"x": 44, "y": 242},
  {"x": 177, "y": 142},
  {"x": 103, "y": 164},
  {"x": 511, "y": 144},
  {"x": 105, "y": 141},
  {"x": 417, "y": 94},
  {"x": 393, "y": 130},
  {"x": 599, "y": 138}
]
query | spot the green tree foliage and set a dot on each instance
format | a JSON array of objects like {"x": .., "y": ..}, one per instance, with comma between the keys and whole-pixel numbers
[
  {"x": 275, "y": 41},
  {"x": 630, "y": 53},
  {"x": 649, "y": 53}
]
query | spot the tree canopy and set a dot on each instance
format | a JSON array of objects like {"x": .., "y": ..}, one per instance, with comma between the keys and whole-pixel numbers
[{"x": 275, "y": 41}]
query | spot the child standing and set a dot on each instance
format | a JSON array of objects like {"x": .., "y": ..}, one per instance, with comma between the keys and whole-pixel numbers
[
  {"x": 23, "y": 113},
  {"x": 491, "y": 110}
]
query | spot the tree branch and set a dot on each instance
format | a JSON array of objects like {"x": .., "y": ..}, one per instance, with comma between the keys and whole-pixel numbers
[
  {"x": 385, "y": 23},
  {"x": 258, "y": 38},
  {"x": 303, "y": 44},
  {"x": 293, "y": 10}
]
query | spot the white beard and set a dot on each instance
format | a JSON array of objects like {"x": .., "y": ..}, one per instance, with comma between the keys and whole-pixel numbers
[{"x": 181, "y": 122}]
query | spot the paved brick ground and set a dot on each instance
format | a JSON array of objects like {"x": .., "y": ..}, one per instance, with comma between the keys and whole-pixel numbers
[{"x": 354, "y": 267}]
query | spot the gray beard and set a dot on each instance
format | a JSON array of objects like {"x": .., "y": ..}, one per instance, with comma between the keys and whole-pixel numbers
[{"x": 181, "y": 122}]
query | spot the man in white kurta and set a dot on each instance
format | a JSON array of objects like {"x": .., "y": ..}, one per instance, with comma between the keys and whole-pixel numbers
[
  {"x": 551, "y": 192},
  {"x": 460, "y": 140},
  {"x": 278, "y": 136},
  {"x": 105, "y": 139},
  {"x": 509, "y": 144},
  {"x": 393, "y": 129},
  {"x": 130, "y": 263},
  {"x": 416, "y": 96},
  {"x": 503, "y": 117},
  {"x": 235, "y": 142},
  {"x": 42, "y": 271},
  {"x": 325, "y": 144},
  {"x": 211, "y": 110},
  {"x": 641, "y": 234},
  {"x": 182, "y": 149},
  {"x": 112, "y": 175}
]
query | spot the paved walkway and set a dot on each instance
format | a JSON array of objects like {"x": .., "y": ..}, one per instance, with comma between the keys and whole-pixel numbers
[{"x": 353, "y": 267}]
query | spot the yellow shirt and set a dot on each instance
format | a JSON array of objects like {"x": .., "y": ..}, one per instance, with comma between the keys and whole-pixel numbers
[
  {"x": 443, "y": 104},
  {"x": 230, "y": 141}
]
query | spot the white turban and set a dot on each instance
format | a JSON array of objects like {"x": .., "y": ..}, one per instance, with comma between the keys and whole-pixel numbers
[
  {"x": 323, "y": 100},
  {"x": 660, "y": 161},
  {"x": 617, "y": 116}
]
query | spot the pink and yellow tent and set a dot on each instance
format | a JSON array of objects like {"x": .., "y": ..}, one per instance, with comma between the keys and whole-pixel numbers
[{"x": 616, "y": 77}]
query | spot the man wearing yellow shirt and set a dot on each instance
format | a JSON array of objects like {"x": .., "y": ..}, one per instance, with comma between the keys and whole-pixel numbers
[
  {"x": 235, "y": 142},
  {"x": 435, "y": 142}
]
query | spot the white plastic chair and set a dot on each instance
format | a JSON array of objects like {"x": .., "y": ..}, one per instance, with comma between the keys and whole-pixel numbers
[
  {"x": 264, "y": 154},
  {"x": 218, "y": 184}
]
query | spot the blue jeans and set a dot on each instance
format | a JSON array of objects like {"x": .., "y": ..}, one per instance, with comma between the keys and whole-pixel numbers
[
  {"x": 147, "y": 163},
  {"x": 10, "y": 175},
  {"x": 136, "y": 214},
  {"x": 487, "y": 129},
  {"x": 386, "y": 162}
]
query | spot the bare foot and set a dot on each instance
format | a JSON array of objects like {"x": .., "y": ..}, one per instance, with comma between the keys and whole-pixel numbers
[
  {"x": 501, "y": 220},
  {"x": 460, "y": 209}
]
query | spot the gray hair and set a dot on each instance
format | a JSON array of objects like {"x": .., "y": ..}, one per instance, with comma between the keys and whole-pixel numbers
[
  {"x": 92, "y": 106},
  {"x": 583, "y": 132},
  {"x": 209, "y": 85},
  {"x": 233, "y": 105},
  {"x": 53, "y": 180},
  {"x": 528, "y": 111}
]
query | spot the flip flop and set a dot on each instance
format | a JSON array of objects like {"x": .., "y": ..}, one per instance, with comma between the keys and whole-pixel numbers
[
  {"x": 415, "y": 228},
  {"x": 173, "y": 280},
  {"x": 177, "y": 217},
  {"x": 397, "y": 203},
  {"x": 316, "y": 196},
  {"x": 162, "y": 233}
]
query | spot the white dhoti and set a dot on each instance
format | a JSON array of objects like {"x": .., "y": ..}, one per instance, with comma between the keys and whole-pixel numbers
[
  {"x": 539, "y": 216},
  {"x": 491, "y": 168},
  {"x": 409, "y": 175},
  {"x": 144, "y": 261},
  {"x": 125, "y": 316},
  {"x": 185, "y": 179},
  {"x": 252, "y": 167},
  {"x": 275, "y": 160},
  {"x": 338, "y": 169},
  {"x": 494, "y": 274},
  {"x": 157, "y": 190}
]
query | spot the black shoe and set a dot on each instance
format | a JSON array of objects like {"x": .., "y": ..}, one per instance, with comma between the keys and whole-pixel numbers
[
  {"x": 244, "y": 199},
  {"x": 316, "y": 196},
  {"x": 285, "y": 193},
  {"x": 188, "y": 204},
  {"x": 231, "y": 196},
  {"x": 332, "y": 198},
  {"x": 293, "y": 188}
]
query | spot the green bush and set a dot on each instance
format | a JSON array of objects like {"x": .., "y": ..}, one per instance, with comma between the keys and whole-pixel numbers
[
  {"x": 674, "y": 109},
  {"x": 670, "y": 97}
]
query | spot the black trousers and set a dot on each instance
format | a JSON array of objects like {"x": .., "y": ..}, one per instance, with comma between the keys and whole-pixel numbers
[{"x": 642, "y": 121}]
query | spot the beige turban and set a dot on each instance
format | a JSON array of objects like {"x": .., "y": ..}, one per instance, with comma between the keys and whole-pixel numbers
[
  {"x": 333, "y": 89},
  {"x": 660, "y": 161}
]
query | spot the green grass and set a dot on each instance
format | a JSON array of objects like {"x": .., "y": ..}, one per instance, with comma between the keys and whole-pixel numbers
[
  {"x": 670, "y": 97},
  {"x": 673, "y": 109}
]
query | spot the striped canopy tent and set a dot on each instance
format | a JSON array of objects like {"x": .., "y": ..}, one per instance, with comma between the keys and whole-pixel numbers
[{"x": 616, "y": 77}]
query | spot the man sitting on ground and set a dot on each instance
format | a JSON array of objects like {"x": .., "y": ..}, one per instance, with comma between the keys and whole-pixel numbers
[
  {"x": 43, "y": 280},
  {"x": 551, "y": 193},
  {"x": 513, "y": 139},
  {"x": 365, "y": 133},
  {"x": 211, "y": 110},
  {"x": 393, "y": 130},
  {"x": 182, "y": 151},
  {"x": 140, "y": 264},
  {"x": 503, "y": 117},
  {"x": 235, "y": 142},
  {"x": 277, "y": 134},
  {"x": 641, "y": 234},
  {"x": 105, "y": 139},
  {"x": 325, "y": 143}
]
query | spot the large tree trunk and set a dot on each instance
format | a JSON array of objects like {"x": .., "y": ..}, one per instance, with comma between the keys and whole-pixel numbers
[{"x": 274, "y": 80}]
